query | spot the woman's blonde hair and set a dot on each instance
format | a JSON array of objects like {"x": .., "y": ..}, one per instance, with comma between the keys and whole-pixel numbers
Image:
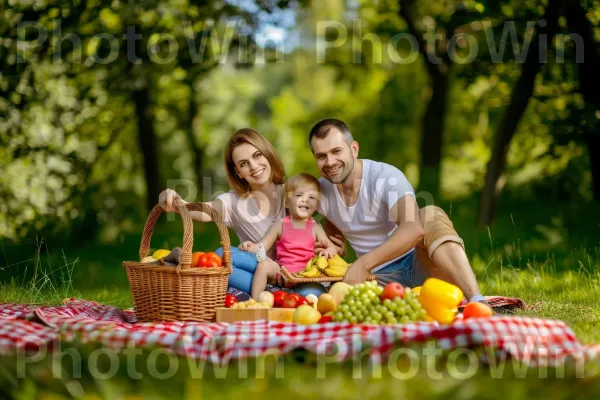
[
  {"x": 250, "y": 136},
  {"x": 299, "y": 180}
]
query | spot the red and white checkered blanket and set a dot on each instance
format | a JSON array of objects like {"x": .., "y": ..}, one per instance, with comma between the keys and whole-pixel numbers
[{"x": 530, "y": 340}]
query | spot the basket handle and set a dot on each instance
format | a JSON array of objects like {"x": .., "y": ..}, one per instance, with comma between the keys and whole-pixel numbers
[{"x": 185, "y": 260}]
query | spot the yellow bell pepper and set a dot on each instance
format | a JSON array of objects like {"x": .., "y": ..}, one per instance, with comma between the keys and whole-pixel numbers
[{"x": 440, "y": 300}]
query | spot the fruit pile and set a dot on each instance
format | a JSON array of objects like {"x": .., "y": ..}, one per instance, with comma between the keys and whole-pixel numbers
[
  {"x": 370, "y": 303},
  {"x": 321, "y": 266},
  {"x": 171, "y": 258}
]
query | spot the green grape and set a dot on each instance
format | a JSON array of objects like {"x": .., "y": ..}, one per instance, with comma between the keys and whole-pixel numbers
[
  {"x": 389, "y": 315},
  {"x": 404, "y": 320},
  {"x": 371, "y": 294},
  {"x": 376, "y": 300},
  {"x": 398, "y": 301},
  {"x": 338, "y": 316},
  {"x": 353, "y": 320},
  {"x": 376, "y": 315},
  {"x": 392, "y": 320},
  {"x": 351, "y": 301},
  {"x": 344, "y": 307},
  {"x": 354, "y": 292},
  {"x": 400, "y": 310},
  {"x": 390, "y": 305},
  {"x": 347, "y": 315},
  {"x": 412, "y": 316}
]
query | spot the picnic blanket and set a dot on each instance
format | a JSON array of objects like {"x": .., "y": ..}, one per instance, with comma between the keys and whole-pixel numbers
[{"x": 532, "y": 341}]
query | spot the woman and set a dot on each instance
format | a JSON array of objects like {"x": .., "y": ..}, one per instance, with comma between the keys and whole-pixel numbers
[{"x": 256, "y": 175}]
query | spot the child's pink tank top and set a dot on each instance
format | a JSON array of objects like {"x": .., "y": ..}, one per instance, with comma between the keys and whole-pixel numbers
[{"x": 295, "y": 246}]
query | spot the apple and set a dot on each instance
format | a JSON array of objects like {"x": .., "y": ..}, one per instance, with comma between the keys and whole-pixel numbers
[
  {"x": 392, "y": 290},
  {"x": 306, "y": 315}
]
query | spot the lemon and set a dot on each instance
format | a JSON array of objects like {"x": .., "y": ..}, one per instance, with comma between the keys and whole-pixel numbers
[{"x": 158, "y": 254}]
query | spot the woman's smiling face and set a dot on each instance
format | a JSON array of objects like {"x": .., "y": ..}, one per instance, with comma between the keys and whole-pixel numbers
[{"x": 251, "y": 165}]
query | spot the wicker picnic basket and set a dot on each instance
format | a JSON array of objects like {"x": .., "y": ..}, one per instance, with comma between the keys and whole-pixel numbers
[{"x": 182, "y": 293}]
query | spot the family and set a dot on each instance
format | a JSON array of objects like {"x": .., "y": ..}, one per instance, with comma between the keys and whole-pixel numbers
[{"x": 369, "y": 203}]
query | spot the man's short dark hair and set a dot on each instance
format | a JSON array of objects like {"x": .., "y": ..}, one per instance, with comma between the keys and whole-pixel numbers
[{"x": 322, "y": 128}]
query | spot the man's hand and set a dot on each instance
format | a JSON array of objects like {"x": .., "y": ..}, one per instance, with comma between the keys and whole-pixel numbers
[
  {"x": 338, "y": 241},
  {"x": 357, "y": 273}
]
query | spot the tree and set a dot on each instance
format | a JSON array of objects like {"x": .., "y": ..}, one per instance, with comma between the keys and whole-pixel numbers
[{"x": 521, "y": 93}]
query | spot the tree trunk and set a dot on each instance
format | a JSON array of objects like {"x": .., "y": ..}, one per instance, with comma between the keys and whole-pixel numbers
[
  {"x": 193, "y": 142},
  {"x": 592, "y": 140},
  {"x": 589, "y": 85},
  {"x": 521, "y": 93},
  {"x": 433, "y": 133},
  {"x": 147, "y": 142}
]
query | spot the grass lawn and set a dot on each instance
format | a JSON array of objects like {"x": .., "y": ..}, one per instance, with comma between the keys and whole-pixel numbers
[{"x": 543, "y": 253}]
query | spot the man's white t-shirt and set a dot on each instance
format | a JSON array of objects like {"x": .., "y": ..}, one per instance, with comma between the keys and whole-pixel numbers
[{"x": 368, "y": 223}]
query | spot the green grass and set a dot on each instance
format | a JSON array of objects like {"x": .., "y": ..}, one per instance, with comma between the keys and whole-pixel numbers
[{"x": 546, "y": 254}]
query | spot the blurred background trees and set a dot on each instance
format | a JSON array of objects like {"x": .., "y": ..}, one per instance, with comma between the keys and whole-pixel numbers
[{"x": 105, "y": 104}]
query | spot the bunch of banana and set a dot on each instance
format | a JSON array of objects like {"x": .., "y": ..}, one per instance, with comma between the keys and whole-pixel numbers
[
  {"x": 336, "y": 266},
  {"x": 320, "y": 265}
]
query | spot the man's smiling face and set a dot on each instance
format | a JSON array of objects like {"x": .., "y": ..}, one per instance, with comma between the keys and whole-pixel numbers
[{"x": 334, "y": 155}]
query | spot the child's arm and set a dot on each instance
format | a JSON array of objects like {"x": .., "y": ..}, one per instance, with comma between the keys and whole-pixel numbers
[
  {"x": 268, "y": 240},
  {"x": 321, "y": 236}
]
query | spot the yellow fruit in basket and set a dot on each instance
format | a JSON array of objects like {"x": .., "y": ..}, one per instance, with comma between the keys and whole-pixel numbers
[
  {"x": 158, "y": 254},
  {"x": 336, "y": 271},
  {"x": 326, "y": 303},
  {"x": 147, "y": 259},
  {"x": 321, "y": 263},
  {"x": 338, "y": 291},
  {"x": 306, "y": 315},
  {"x": 312, "y": 273}
]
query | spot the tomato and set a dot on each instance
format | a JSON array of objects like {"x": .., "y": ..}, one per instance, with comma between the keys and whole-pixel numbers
[
  {"x": 195, "y": 258},
  {"x": 301, "y": 300},
  {"x": 477, "y": 310},
  {"x": 278, "y": 298},
  {"x": 325, "y": 319},
  {"x": 289, "y": 301},
  {"x": 392, "y": 290},
  {"x": 209, "y": 260},
  {"x": 230, "y": 300}
]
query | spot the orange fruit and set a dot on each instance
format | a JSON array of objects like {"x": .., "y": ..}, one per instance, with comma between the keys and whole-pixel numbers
[
  {"x": 196, "y": 257},
  {"x": 477, "y": 310}
]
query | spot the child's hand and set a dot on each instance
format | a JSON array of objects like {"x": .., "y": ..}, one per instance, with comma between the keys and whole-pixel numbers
[
  {"x": 329, "y": 252},
  {"x": 248, "y": 246}
]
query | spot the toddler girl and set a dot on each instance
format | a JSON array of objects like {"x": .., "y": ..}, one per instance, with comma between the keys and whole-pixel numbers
[{"x": 294, "y": 236}]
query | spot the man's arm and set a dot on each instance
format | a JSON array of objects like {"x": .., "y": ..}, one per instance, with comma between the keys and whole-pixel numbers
[
  {"x": 406, "y": 236},
  {"x": 335, "y": 236}
]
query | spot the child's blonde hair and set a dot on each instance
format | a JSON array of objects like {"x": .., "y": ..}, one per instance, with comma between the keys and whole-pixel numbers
[{"x": 298, "y": 180}]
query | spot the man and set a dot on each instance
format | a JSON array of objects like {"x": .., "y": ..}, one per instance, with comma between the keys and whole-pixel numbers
[{"x": 373, "y": 205}]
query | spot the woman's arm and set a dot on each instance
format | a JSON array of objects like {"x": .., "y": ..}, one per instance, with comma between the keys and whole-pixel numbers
[{"x": 167, "y": 199}]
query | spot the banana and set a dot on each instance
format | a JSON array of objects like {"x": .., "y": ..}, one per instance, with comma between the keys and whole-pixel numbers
[
  {"x": 312, "y": 273},
  {"x": 335, "y": 271},
  {"x": 321, "y": 263},
  {"x": 337, "y": 260},
  {"x": 309, "y": 265}
]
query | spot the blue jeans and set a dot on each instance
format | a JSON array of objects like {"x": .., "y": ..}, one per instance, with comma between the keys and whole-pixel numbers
[
  {"x": 408, "y": 271},
  {"x": 243, "y": 266}
]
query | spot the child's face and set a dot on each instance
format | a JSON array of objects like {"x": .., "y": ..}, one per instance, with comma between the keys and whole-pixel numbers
[{"x": 302, "y": 203}]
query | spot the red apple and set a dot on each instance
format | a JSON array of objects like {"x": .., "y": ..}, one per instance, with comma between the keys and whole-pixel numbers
[{"x": 392, "y": 290}]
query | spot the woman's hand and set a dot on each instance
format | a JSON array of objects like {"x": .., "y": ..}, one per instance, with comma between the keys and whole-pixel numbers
[
  {"x": 248, "y": 246},
  {"x": 167, "y": 198}
]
